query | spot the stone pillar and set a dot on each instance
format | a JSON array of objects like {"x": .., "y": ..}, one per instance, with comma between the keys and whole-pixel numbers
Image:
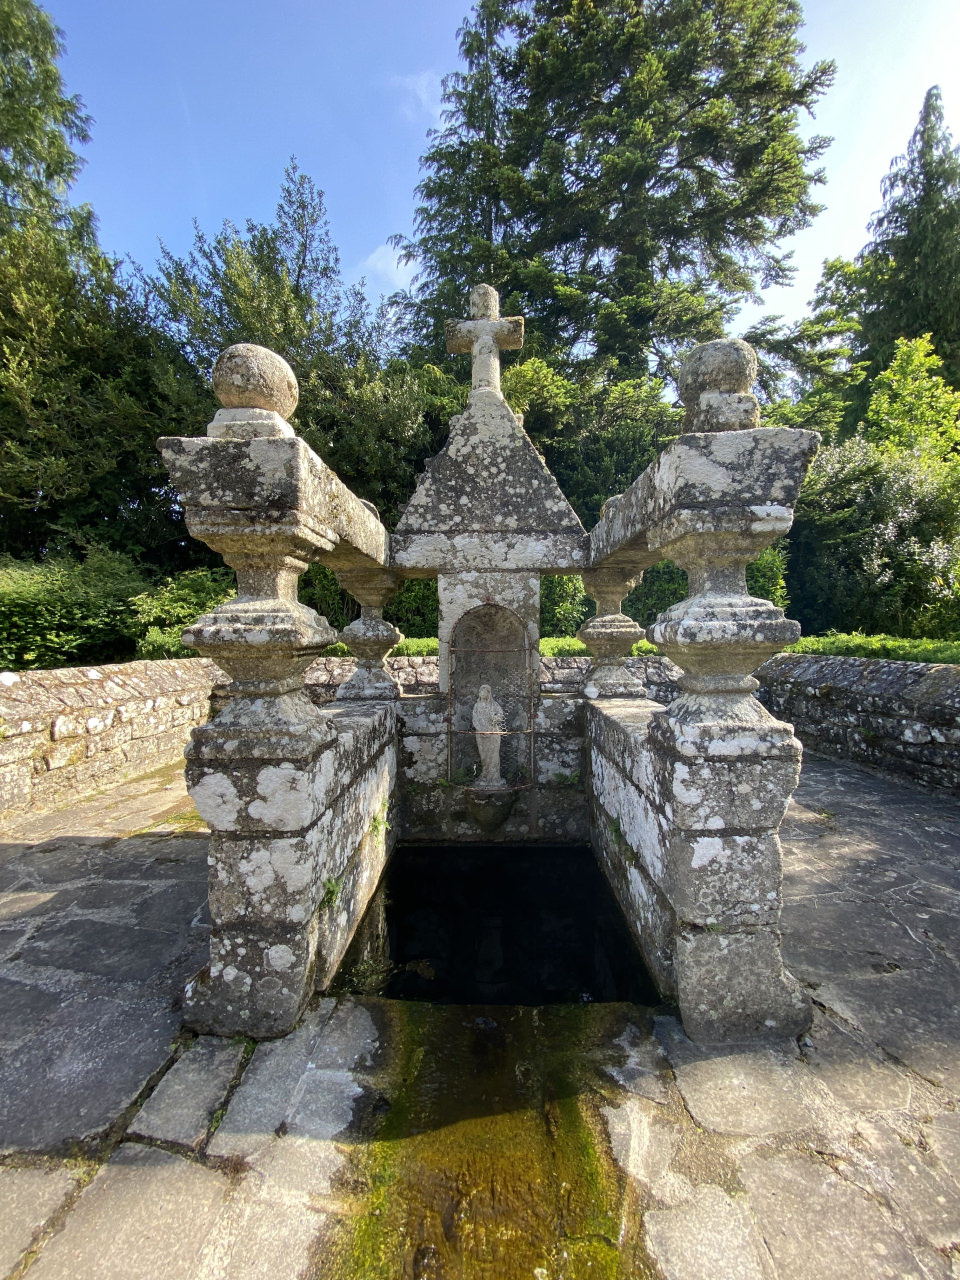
[
  {"x": 725, "y": 767},
  {"x": 610, "y": 636},
  {"x": 254, "y": 769},
  {"x": 370, "y": 638}
]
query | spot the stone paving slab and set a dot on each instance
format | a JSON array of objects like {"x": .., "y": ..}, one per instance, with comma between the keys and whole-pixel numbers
[
  {"x": 836, "y": 1157},
  {"x": 73, "y": 1079},
  {"x": 304, "y": 1085},
  {"x": 102, "y": 927},
  {"x": 29, "y": 1197},
  {"x": 815, "y": 1223},
  {"x": 146, "y": 1215},
  {"x": 181, "y": 1108},
  {"x": 712, "y": 1235}
]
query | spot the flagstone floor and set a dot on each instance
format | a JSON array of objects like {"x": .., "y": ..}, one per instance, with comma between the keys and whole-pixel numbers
[{"x": 428, "y": 1142}]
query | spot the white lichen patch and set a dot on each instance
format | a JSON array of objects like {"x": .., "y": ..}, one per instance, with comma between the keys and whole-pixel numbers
[
  {"x": 287, "y": 803},
  {"x": 217, "y": 801}
]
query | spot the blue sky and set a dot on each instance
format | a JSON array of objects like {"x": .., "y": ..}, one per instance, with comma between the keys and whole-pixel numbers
[{"x": 198, "y": 106}]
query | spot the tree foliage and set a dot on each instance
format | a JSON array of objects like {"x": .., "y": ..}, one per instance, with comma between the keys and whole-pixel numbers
[
  {"x": 910, "y": 270},
  {"x": 597, "y": 433},
  {"x": 87, "y": 384},
  {"x": 904, "y": 284},
  {"x": 621, "y": 171},
  {"x": 279, "y": 284},
  {"x": 39, "y": 124},
  {"x": 913, "y": 408},
  {"x": 875, "y": 543}
]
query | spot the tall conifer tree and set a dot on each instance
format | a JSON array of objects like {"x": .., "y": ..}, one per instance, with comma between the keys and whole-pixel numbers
[
  {"x": 621, "y": 170},
  {"x": 910, "y": 271},
  {"x": 39, "y": 123}
]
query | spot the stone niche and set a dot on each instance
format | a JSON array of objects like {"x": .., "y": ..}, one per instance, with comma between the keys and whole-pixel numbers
[
  {"x": 490, "y": 655},
  {"x": 306, "y": 798}
]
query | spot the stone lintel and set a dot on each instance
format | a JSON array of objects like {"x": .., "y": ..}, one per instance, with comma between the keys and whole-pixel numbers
[
  {"x": 735, "y": 481},
  {"x": 426, "y": 554},
  {"x": 232, "y": 486}
]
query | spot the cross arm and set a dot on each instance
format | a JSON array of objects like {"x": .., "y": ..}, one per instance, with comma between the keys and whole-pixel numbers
[{"x": 462, "y": 334}]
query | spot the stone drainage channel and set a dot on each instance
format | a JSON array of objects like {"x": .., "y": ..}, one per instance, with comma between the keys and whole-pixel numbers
[{"x": 511, "y": 1104}]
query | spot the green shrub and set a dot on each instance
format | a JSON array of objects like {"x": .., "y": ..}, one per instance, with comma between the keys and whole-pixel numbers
[
  {"x": 875, "y": 544},
  {"x": 164, "y": 611},
  {"x": 417, "y": 647},
  {"x": 662, "y": 585},
  {"x": 320, "y": 590},
  {"x": 563, "y": 604},
  {"x": 562, "y": 647},
  {"x": 62, "y": 612},
  {"x": 856, "y": 645},
  {"x": 570, "y": 647},
  {"x": 665, "y": 584},
  {"x": 766, "y": 576}
]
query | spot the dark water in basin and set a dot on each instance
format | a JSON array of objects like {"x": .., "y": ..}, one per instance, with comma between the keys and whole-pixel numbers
[{"x": 496, "y": 924}]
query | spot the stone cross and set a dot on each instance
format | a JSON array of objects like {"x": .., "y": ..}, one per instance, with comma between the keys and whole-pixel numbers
[{"x": 484, "y": 336}]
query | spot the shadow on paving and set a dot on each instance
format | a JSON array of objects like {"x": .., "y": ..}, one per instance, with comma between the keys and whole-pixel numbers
[
  {"x": 96, "y": 940},
  {"x": 871, "y": 918}
]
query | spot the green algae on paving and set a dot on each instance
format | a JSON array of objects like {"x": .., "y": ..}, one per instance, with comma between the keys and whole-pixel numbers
[{"x": 491, "y": 1159}]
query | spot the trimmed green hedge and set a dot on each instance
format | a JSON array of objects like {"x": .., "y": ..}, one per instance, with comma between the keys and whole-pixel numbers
[
  {"x": 417, "y": 647},
  {"x": 104, "y": 608},
  {"x": 855, "y": 645},
  {"x": 64, "y": 612},
  {"x": 845, "y": 646},
  {"x": 570, "y": 647}
]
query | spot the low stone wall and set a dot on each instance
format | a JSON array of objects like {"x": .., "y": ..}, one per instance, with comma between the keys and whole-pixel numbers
[
  {"x": 684, "y": 817},
  {"x": 900, "y": 716},
  {"x": 68, "y": 733},
  {"x": 414, "y": 675}
]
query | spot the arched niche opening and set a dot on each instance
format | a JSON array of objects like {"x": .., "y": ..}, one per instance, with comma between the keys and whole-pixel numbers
[{"x": 491, "y": 701}]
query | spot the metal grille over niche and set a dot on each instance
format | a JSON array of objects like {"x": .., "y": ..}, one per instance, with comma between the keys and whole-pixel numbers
[{"x": 492, "y": 683}]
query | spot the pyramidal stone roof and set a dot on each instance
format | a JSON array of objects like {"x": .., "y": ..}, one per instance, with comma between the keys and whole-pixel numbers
[{"x": 488, "y": 501}]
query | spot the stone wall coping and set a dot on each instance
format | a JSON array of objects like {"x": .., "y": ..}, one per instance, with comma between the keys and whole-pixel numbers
[
  {"x": 27, "y": 698},
  {"x": 902, "y": 717},
  {"x": 930, "y": 686}
]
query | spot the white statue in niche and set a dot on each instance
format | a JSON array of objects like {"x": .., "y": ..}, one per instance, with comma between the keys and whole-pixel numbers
[{"x": 490, "y": 725}]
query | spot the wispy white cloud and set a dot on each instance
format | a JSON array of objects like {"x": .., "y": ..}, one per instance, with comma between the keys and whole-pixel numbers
[
  {"x": 421, "y": 96},
  {"x": 383, "y": 272}
]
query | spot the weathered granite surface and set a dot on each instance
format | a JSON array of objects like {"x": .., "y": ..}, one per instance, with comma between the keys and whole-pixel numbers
[
  {"x": 487, "y": 501},
  {"x": 899, "y": 716},
  {"x": 838, "y": 1153}
]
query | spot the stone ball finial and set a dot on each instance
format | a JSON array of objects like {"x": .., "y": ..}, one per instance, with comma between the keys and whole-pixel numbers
[
  {"x": 251, "y": 377},
  {"x": 484, "y": 302},
  {"x": 728, "y": 364}
]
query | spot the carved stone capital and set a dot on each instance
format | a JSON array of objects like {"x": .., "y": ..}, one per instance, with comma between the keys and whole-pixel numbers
[{"x": 720, "y": 634}]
